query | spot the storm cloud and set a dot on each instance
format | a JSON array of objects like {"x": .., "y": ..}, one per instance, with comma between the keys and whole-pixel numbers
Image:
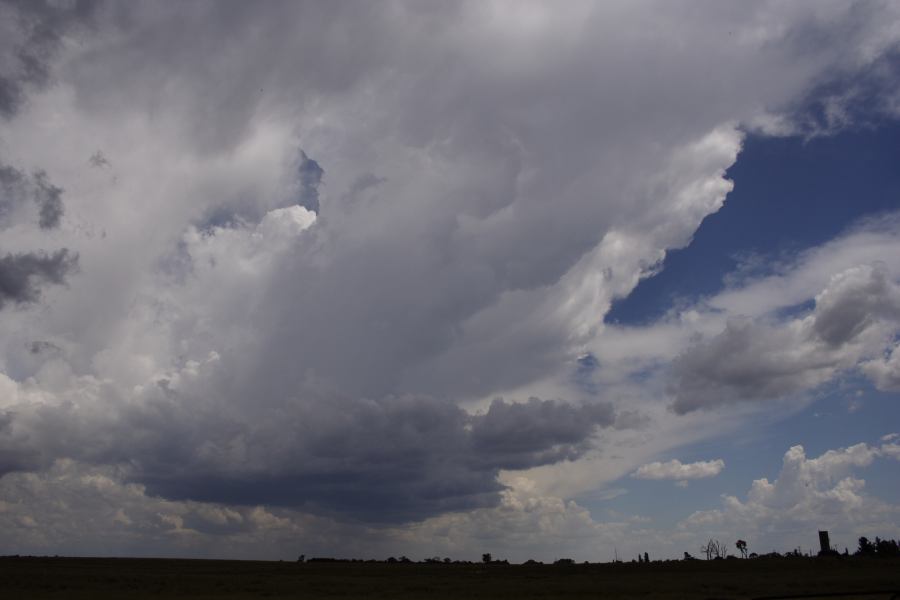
[
  {"x": 345, "y": 230},
  {"x": 391, "y": 460}
]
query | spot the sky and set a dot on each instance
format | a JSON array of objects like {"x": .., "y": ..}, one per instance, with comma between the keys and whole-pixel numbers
[{"x": 430, "y": 279}]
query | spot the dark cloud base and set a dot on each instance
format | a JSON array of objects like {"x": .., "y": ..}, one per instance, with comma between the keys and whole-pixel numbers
[
  {"x": 397, "y": 459},
  {"x": 394, "y": 460}
]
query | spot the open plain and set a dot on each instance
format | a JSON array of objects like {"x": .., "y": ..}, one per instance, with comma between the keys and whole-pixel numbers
[{"x": 99, "y": 578}]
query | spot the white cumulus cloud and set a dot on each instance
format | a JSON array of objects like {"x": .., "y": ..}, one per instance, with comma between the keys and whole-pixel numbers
[
  {"x": 808, "y": 494},
  {"x": 675, "y": 469}
]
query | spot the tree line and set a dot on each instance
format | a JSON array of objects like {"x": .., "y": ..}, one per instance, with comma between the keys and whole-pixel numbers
[{"x": 712, "y": 550}]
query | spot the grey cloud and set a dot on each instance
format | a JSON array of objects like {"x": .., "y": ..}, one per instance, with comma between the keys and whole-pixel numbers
[
  {"x": 49, "y": 199},
  {"x": 98, "y": 160},
  {"x": 884, "y": 371},
  {"x": 437, "y": 282},
  {"x": 505, "y": 159},
  {"x": 32, "y": 35},
  {"x": 12, "y": 192},
  {"x": 291, "y": 54},
  {"x": 747, "y": 361},
  {"x": 854, "y": 301},
  {"x": 364, "y": 182},
  {"x": 17, "y": 188},
  {"x": 393, "y": 460},
  {"x": 759, "y": 360},
  {"x": 23, "y": 274},
  {"x": 229, "y": 215},
  {"x": 396, "y": 459},
  {"x": 522, "y": 435},
  {"x": 42, "y": 346},
  {"x": 675, "y": 469},
  {"x": 244, "y": 210},
  {"x": 134, "y": 523}
]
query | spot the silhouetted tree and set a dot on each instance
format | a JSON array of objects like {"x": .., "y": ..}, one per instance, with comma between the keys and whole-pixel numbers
[
  {"x": 741, "y": 545},
  {"x": 866, "y": 548},
  {"x": 886, "y": 548},
  {"x": 486, "y": 557},
  {"x": 646, "y": 557},
  {"x": 714, "y": 549}
]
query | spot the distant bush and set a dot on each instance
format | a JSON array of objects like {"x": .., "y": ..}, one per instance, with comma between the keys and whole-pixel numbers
[
  {"x": 887, "y": 548},
  {"x": 880, "y": 547}
]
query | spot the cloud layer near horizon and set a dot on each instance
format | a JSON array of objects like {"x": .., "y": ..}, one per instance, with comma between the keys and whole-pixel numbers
[{"x": 321, "y": 242}]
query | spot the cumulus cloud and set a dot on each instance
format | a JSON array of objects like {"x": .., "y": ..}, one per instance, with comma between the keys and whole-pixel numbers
[
  {"x": 891, "y": 450},
  {"x": 853, "y": 301},
  {"x": 808, "y": 493},
  {"x": 393, "y": 459},
  {"x": 675, "y": 469},
  {"x": 885, "y": 371},
  {"x": 764, "y": 358},
  {"x": 773, "y": 333}
]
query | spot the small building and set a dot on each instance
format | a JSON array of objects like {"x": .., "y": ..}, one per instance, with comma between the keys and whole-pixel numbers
[{"x": 824, "y": 543}]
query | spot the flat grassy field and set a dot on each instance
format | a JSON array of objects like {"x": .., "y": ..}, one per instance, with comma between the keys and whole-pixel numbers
[{"x": 98, "y": 578}]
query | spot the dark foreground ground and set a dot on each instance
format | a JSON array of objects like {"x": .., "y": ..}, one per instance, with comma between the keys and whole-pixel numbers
[{"x": 97, "y": 578}]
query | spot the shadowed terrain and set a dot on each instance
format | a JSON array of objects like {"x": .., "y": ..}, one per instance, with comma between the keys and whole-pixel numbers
[{"x": 77, "y": 578}]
